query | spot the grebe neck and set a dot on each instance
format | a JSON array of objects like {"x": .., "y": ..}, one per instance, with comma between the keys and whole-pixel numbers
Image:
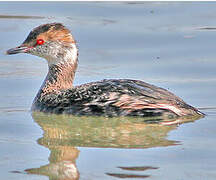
[
  {"x": 61, "y": 71},
  {"x": 59, "y": 77}
]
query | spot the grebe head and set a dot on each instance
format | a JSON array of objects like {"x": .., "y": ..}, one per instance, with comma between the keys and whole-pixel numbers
[{"x": 53, "y": 42}]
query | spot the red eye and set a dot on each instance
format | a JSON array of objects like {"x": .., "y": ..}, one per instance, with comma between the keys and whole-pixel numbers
[{"x": 40, "y": 41}]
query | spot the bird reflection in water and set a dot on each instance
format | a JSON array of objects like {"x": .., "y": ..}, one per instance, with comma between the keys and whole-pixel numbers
[{"x": 64, "y": 133}]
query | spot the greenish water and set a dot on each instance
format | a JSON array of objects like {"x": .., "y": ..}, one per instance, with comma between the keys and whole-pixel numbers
[{"x": 167, "y": 44}]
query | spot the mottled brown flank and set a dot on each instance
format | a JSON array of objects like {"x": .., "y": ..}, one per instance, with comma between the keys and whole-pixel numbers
[
  {"x": 122, "y": 97},
  {"x": 131, "y": 103},
  {"x": 64, "y": 79},
  {"x": 128, "y": 102}
]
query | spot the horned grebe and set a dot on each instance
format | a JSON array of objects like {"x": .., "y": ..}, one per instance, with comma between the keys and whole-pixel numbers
[{"x": 121, "y": 97}]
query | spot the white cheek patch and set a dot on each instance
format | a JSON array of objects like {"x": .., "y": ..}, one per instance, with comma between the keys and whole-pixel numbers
[
  {"x": 72, "y": 54},
  {"x": 51, "y": 52}
]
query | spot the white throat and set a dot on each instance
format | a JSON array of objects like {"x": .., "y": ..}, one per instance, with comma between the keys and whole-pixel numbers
[{"x": 68, "y": 55}]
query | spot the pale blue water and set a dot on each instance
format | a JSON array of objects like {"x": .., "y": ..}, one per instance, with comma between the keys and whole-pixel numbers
[{"x": 166, "y": 44}]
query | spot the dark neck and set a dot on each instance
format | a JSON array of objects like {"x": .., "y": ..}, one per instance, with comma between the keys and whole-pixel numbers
[{"x": 60, "y": 77}]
